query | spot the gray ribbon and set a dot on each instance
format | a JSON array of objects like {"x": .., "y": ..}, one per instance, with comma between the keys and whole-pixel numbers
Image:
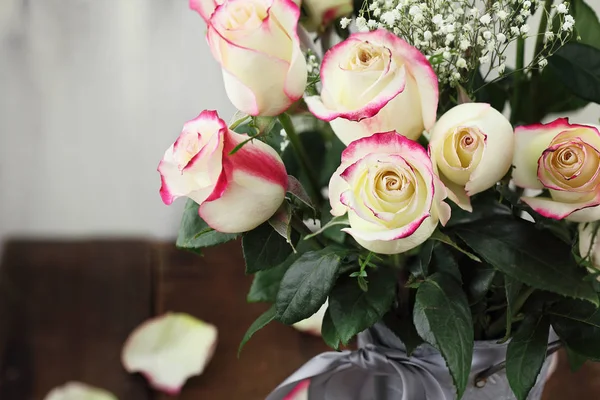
[
  {"x": 374, "y": 371},
  {"x": 380, "y": 369}
]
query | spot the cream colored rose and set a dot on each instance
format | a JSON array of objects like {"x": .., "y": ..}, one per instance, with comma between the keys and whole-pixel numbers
[
  {"x": 472, "y": 147},
  {"x": 376, "y": 82},
  {"x": 257, "y": 45},
  {"x": 565, "y": 159},
  {"x": 387, "y": 185}
]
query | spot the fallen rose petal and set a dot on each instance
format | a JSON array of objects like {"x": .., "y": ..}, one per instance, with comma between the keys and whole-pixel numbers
[
  {"x": 169, "y": 349},
  {"x": 78, "y": 391},
  {"x": 313, "y": 323}
]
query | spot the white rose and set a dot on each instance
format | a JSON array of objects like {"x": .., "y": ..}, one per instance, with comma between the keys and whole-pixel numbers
[
  {"x": 198, "y": 165},
  {"x": 257, "y": 45},
  {"x": 471, "y": 146},
  {"x": 376, "y": 82},
  {"x": 387, "y": 185}
]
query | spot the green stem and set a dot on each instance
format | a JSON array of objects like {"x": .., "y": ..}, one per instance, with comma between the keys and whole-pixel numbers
[
  {"x": 302, "y": 156},
  {"x": 539, "y": 42},
  {"x": 519, "y": 75}
]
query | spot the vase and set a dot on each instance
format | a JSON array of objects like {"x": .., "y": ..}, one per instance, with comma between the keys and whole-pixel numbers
[{"x": 380, "y": 369}]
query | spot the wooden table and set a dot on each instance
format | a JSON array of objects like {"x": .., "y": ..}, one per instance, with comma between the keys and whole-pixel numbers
[{"x": 67, "y": 307}]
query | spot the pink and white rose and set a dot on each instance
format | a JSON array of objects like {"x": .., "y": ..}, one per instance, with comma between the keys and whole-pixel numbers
[
  {"x": 206, "y": 7},
  {"x": 237, "y": 192},
  {"x": 471, "y": 146},
  {"x": 376, "y": 82},
  {"x": 387, "y": 185},
  {"x": 565, "y": 159},
  {"x": 257, "y": 45}
]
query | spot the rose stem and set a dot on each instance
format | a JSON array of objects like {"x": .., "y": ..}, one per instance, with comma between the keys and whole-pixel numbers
[{"x": 302, "y": 157}]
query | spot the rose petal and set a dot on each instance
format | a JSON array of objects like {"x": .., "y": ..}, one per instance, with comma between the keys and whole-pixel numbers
[
  {"x": 530, "y": 143},
  {"x": 78, "y": 391},
  {"x": 169, "y": 349},
  {"x": 577, "y": 212},
  {"x": 313, "y": 323},
  {"x": 300, "y": 392}
]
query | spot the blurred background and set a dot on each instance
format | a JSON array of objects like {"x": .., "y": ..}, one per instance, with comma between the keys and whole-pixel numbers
[{"x": 93, "y": 93}]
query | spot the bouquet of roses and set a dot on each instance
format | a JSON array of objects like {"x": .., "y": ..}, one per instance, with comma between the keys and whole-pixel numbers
[{"x": 372, "y": 174}]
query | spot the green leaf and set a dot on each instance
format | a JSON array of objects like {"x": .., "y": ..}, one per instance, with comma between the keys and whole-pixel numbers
[
  {"x": 306, "y": 284},
  {"x": 526, "y": 354},
  {"x": 444, "y": 261},
  {"x": 478, "y": 281},
  {"x": 485, "y": 205},
  {"x": 314, "y": 144},
  {"x": 257, "y": 325},
  {"x": 195, "y": 234},
  {"x": 512, "y": 287},
  {"x": 420, "y": 267},
  {"x": 328, "y": 332},
  {"x": 537, "y": 258},
  {"x": 439, "y": 236},
  {"x": 577, "y": 323},
  {"x": 264, "y": 248},
  {"x": 266, "y": 283},
  {"x": 296, "y": 189},
  {"x": 587, "y": 26},
  {"x": 352, "y": 310},
  {"x": 405, "y": 330},
  {"x": 577, "y": 65},
  {"x": 443, "y": 319}
]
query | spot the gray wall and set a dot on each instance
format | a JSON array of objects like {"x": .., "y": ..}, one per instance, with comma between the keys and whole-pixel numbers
[{"x": 92, "y": 93}]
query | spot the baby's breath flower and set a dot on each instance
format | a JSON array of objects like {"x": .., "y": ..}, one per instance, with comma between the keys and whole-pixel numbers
[
  {"x": 501, "y": 68},
  {"x": 487, "y": 35},
  {"x": 562, "y": 9},
  {"x": 485, "y": 19},
  {"x": 461, "y": 63},
  {"x": 344, "y": 22},
  {"x": 502, "y": 15},
  {"x": 524, "y": 29},
  {"x": 548, "y": 36},
  {"x": 501, "y": 38},
  {"x": 542, "y": 62}
]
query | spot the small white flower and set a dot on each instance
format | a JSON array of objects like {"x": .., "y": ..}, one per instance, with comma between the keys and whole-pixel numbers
[
  {"x": 447, "y": 55},
  {"x": 524, "y": 29},
  {"x": 502, "y": 15},
  {"x": 501, "y": 68},
  {"x": 567, "y": 26},
  {"x": 569, "y": 18},
  {"x": 485, "y": 19},
  {"x": 461, "y": 63},
  {"x": 417, "y": 19},
  {"x": 527, "y": 4},
  {"x": 414, "y": 10},
  {"x": 456, "y": 76},
  {"x": 525, "y": 12},
  {"x": 449, "y": 38},
  {"x": 474, "y": 12},
  {"x": 562, "y": 9},
  {"x": 361, "y": 24},
  {"x": 344, "y": 22},
  {"x": 514, "y": 30},
  {"x": 449, "y": 28},
  {"x": 372, "y": 24},
  {"x": 437, "y": 19},
  {"x": 484, "y": 59},
  {"x": 487, "y": 35},
  {"x": 427, "y": 35},
  {"x": 464, "y": 44},
  {"x": 543, "y": 62},
  {"x": 501, "y": 38},
  {"x": 388, "y": 18}
]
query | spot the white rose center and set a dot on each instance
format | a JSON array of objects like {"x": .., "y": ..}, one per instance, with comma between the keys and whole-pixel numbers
[
  {"x": 366, "y": 56},
  {"x": 187, "y": 147}
]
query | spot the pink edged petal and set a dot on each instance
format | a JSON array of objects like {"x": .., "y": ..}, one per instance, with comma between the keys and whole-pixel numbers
[
  {"x": 169, "y": 349},
  {"x": 401, "y": 245},
  {"x": 442, "y": 208},
  {"x": 418, "y": 67},
  {"x": 300, "y": 392},
  {"x": 337, "y": 186},
  {"x": 577, "y": 212},
  {"x": 382, "y": 235},
  {"x": 256, "y": 85},
  {"x": 530, "y": 143},
  {"x": 78, "y": 391},
  {"x": 457, "y": 194},
  {"x": 228, "y": 214},
  {"x": 313, "y": 323},
  {"x": 386, "y": 143},
  {"x": 204, "y": 7}
]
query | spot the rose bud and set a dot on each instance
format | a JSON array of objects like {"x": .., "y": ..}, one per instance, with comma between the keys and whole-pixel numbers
[
  {"x": 257, "y": 45},
  {"x": 471, "y": 146},
  {"x": 198, "y": 165}
]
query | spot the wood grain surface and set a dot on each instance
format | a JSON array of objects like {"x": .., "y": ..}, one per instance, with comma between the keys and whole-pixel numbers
[{"x": 66, "y": 309}]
